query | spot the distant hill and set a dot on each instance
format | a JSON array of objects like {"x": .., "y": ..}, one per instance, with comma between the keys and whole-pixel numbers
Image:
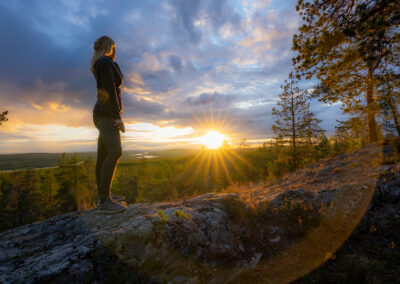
[
  {"x": 44, "y": 160},
  {"x": 173, "y": 153}
]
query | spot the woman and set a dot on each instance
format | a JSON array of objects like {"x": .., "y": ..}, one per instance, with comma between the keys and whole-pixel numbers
[{"x": 107, "y": 119}]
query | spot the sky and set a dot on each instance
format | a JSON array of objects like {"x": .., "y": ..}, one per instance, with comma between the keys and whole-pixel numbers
[{"x": 190, "y": 66}]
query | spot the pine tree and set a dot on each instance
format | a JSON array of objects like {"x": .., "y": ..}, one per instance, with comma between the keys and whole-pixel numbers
[
  {"x": 87, "y": 195},
  {"x": 312, "y": 130},
  {"x": 294, "y": 119},
  {"x": 3, "y": 116},
  {"x": 243, "y": 143},
  {"x": 22, "y": 196},
  {"x": 345, "y": 44},
  {"x": 350, "y": 134},
  {"x": 66, "y": 177},
  {"x": 389, "y": 97},
  {"x": 324, "y": 147},
  {"x": 293, "y": 107},
  {"x": 49, "y": 202}
]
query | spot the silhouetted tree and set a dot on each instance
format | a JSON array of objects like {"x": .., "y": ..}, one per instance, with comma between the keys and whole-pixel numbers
[
  {"x": 225, "y": 144},
  {"x": 3, "y": 116},
  {"x": 312, "y": 130},
  {"x": 291, "y": 114},
  {"x": 243, "y": 143},
  {"x": 292, "y": 108}
]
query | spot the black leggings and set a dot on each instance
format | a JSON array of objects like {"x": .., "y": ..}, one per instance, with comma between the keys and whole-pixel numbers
[{"x": 109, "y": 151}]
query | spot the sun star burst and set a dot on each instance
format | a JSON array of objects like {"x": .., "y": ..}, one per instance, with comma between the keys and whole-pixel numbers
[{"x": 212, "y": 139}]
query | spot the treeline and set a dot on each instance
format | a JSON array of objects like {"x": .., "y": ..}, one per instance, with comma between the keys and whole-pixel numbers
[
  {"x": 32, "y": 195},
  {"x": 28, "y": 196}
]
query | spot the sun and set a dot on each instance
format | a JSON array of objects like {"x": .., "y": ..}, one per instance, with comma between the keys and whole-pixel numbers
[{"x": 213, "y": 139}]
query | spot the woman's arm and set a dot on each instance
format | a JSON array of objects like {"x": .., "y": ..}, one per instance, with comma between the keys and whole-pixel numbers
[
  {"x": 118, "y": 123},
  {"x": 122, "y": 77}
]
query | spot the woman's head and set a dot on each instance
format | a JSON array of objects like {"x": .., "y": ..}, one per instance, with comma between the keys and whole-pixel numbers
[{"x": 104, "y": 45}]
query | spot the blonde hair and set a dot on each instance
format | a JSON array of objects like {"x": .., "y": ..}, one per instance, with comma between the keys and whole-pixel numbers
[{"x": 102, "y": 46}]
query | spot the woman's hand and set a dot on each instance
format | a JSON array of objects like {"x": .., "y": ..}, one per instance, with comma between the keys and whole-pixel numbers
[{"x": 119, "y": 124}]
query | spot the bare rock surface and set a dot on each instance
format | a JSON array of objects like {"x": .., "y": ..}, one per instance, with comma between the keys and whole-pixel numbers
[{"x": 253, "y": 234}]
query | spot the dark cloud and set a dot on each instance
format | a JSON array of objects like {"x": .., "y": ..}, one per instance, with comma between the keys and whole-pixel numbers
[
  {"x": 176, "y": 62},
  {"x": 220, "y": 13},
  {"x": 14, "y": 136},
  {"x": 48, "y": 44},
  {"x": 216, "y": 99},
  {"x": 217, "y": 13},
  {"x": 187, "y": 12},
  {"x": 29, "y": 54},
  {"x": 159, "y": 81},
  {"x": 142, "y": 109}
]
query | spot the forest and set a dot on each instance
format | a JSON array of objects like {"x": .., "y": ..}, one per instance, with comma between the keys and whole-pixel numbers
[
  {"x": 349, "y": 50},
  {"x": 28, "y": 196}
]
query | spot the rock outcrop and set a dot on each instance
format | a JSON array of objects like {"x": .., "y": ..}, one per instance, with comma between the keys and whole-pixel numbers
[{"x": 259, "y": 233}]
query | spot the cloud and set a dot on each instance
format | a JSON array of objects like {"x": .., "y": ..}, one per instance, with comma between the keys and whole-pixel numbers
[
  {"x": 176, "y": 62},
  {"x": 186, "y": 12},
  {"x": 142, "y": 109},
  {"x": 187, "y": 63},
  {"x": 216, "y": 99},
  {"x": 219, "y": 13}
]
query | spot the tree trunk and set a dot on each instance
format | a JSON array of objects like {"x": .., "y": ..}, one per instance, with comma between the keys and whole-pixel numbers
[
  {"x": 293, "y": 129},
  {"x": 293, "y": 122},
  {"x": 372, "y": 129},
  {"x": 395, "y": 114}
]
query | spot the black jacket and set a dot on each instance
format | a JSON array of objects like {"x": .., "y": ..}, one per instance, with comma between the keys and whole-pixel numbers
[{"x": 109, "y": 81}]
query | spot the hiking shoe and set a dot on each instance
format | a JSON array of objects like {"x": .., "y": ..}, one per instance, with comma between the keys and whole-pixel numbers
[
  {"x": 110, "y": 207},
  {"x": 123, "y": 203},
  {"x": 117, "y": 198}
]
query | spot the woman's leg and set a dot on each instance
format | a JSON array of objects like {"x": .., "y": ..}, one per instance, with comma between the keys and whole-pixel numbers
[
  {"x": 109, "y": 153},
  {"x": 101, "y": 156}
]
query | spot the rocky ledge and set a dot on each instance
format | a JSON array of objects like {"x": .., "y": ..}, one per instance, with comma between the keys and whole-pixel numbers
[{"x": 269, "y": 233}]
